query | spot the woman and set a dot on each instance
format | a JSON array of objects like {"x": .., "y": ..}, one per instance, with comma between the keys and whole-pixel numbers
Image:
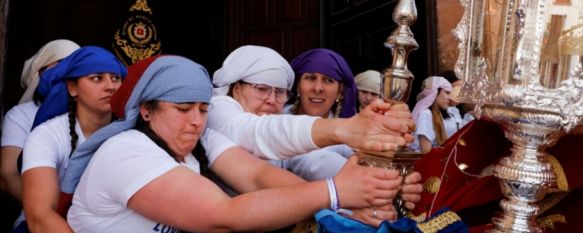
[
  {"x": 77, "y": 93},
  {"x": 147, "y": 159},
  {"x": 435, "y": 118},
  {"x": 368, "y": 84},
  {"x": 18, "y": 120},
  {"x": 324, "y": 85},
  {"x": 260, "y": 80}
]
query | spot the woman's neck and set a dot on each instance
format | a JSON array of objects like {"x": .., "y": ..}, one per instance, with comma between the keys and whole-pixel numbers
[{"x": 91, "y": 121}]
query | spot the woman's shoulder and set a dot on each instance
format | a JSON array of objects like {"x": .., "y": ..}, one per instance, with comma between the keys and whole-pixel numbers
[{"x": 55, "y": 125}]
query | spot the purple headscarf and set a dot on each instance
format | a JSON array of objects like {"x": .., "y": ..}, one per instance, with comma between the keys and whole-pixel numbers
[{"x": 331, "y": 64}]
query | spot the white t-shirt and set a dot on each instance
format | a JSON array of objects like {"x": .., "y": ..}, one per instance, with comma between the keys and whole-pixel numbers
[
  {"x": 119, "y": 168},
  {"x": 269, "y": 136},
  {"x": 49, "y": 145},
  {"x": 425, "y": 126},
  {"x": 17, "y": 124}
]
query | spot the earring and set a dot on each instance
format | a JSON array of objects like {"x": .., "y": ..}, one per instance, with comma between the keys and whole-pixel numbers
[
  {"x": 337, "y": 100},
  {"x": 146, "y": 117}
]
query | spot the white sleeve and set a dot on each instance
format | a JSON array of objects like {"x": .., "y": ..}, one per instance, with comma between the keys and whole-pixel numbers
[
  {"x": 215, "y": 144},
  {"x": 44, "y": 147},
  {"x": 425, "y": 125},
  {"x": 269, "y": 137},
  {"x": 15, "y": 128}
]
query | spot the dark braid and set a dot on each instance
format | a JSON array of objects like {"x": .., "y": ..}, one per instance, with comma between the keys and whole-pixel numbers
[{"x": 72, "y": 121}]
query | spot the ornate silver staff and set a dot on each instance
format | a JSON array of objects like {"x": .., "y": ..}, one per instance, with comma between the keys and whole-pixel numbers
[
  {"x": 528, "y": 76},
  {"x": 396, "y": 87}
]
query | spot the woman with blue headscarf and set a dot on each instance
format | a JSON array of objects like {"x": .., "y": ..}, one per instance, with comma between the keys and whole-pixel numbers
[
  {"x": 77, "y": 94},
  {"x": 147, "y": 157}
]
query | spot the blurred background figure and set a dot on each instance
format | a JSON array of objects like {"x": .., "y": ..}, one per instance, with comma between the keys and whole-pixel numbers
[
  {"x": 435, "y": 118},
  {"x": 368, "y": 84}
]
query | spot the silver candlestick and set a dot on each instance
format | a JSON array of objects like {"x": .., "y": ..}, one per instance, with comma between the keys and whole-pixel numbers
[
  {"x": 527, "y": 75},
  {"x": 396, "y": 87}
]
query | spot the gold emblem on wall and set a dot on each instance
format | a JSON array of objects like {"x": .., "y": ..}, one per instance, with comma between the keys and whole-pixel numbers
[{"x": 137, "y": 39}]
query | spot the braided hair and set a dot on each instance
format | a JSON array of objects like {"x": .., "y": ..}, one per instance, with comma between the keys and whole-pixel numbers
[{"x": 72, "y": 107}]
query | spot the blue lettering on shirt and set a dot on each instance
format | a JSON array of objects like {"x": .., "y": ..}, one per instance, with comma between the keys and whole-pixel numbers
[{"x": 164, "y": 229}]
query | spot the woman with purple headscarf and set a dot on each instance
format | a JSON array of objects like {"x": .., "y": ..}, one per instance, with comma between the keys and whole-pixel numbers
[{"x": 324, "y": 85}]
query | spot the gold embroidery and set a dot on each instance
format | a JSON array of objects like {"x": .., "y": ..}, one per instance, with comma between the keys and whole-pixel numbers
[
  {"x": 561, "y": 178},
  {"x": 438, "y": 223},
  {"x": 419, "y": 218},
  {"x": 551, "y": 200},
  {"x": 141, "y": 5},
  {"x": 432, "y": 185},
  {"x": 548, "y": 222},
  {"x": 138, "y": 38},
  {"x": 308, "y": 226},
  {"x": 462, "y": 142}
]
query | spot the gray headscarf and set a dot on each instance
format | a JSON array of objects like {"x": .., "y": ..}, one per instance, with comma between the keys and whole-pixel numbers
[{"x": 168, "y": 78}]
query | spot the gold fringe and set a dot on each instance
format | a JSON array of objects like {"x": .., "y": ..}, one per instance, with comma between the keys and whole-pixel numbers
[
  {"x": 561, "y": 178},
  {"x": 439, "y": 223},
  {"x": 548, "y": 222},
  {"x": 308, "y": 226}
]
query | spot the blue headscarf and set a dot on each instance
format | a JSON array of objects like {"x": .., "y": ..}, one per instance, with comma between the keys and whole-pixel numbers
[
  {"x": 331, "y": 64},
  {"x": 53, "y": 86},
  {"x": 168, "y": 78}
]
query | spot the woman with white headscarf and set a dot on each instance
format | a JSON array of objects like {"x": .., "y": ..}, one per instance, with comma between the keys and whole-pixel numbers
[
  {"x": 252, "y": 87},
  {"x": 251, "y": 74},
  {"x": 435, "y": 118},
  {"x": 368, "y": 84},
  {"x": 18, "y": 120},
  {"x": 274, "y": 136}
]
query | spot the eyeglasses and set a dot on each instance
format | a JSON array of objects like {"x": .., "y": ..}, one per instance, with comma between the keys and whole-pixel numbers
[{"x": 264, "y": 91}]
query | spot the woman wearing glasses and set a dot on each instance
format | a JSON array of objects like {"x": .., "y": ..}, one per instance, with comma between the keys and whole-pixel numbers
[{"x": 250, "y": 91}]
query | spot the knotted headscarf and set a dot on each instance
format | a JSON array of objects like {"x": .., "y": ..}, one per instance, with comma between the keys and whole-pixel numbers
[
  {"x": 253, "y": 64},
  {"x": 331, "y": 64},
  {"x": 166, "y": 78},
  {"x": 53, "y": 86},
  {"x": 49, "y": 53},
  {"x": 431, "y": 87},
  {"x": 369, "y": 80}
]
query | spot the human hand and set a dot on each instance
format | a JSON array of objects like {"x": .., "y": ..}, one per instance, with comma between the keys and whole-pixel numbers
[
  {"x": 411, "y": 190},
  {"x": 374, "y": 215},
  {"x": 359, "y": 186},
  {"x": 379, "y": 127}
]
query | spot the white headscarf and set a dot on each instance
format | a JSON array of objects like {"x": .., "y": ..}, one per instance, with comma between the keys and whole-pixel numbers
[
  {"x": 49, "y": 53},
  {"x": 369, "y": 80},
  {"x": 429, "y": 93},
  {"x": 253, "y": 64}
]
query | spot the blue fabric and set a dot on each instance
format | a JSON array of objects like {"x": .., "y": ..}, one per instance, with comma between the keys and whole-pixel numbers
[
  {"x": 53, "y": 86},
  {"x": 333, "y": 65},
  {"x": 169, "y": 78},
  {"x": 21, "y": 228},
  {"x": 332, "y": 222}
]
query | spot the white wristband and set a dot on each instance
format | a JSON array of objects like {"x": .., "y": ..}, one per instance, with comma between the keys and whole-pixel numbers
[{"x": 334, "y": 202}]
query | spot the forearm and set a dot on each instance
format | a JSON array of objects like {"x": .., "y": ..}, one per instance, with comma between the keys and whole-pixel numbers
[
  {"x": 326, "y": 132},
  {"x": 10, "y": 177},
  {"x": 269, "y": 176},
  {"x": 246, "y": 172},
  {"x": 274, "y": 208},
  {"x": 49, "y": 222},
  {"x": 12, "y": 185}
]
